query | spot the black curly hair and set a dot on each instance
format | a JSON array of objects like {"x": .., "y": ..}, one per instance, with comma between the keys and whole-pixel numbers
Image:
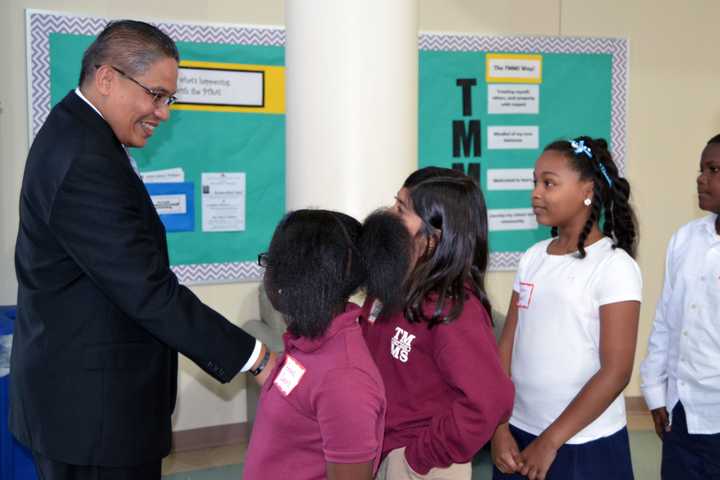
[
  {"x": 611, "y": 193},
  {"x": 318, "y": 258},
  {"x": 313, "y": 266}
]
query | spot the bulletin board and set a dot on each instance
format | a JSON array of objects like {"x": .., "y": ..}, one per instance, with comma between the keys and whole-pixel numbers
[
  {"x": 490, "y": 121},
  {"x": 245, "y": 139},
  {"x": 488, "y": 105}
]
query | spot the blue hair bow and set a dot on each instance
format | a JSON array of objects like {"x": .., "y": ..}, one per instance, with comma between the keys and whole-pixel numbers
[{"x": 580, "y": 147}]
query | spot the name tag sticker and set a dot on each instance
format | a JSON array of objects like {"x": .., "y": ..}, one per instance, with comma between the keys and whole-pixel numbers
[
  {"x": 289, "y": 376},
  {"x": 525, "y": 294}
]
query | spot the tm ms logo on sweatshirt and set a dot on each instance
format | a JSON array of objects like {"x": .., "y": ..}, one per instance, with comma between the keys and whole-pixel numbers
[{"x": 401, "y": 344}]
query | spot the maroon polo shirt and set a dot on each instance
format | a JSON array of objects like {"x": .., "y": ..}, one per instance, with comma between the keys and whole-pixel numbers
[{"x": 323, "y": 402}]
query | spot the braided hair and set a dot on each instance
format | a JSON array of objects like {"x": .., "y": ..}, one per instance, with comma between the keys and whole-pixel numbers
[{"x": 611, "y": 192}]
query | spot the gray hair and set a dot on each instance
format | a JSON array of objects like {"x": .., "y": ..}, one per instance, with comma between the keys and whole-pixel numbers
[{"x": 127, "y": 44}]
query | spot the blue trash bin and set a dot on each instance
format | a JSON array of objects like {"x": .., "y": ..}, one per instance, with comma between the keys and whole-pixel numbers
[{"x": 15, "y": 460}]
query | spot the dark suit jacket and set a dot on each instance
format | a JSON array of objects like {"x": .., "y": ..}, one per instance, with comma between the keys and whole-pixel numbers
[{"x": 100, "y": 314}]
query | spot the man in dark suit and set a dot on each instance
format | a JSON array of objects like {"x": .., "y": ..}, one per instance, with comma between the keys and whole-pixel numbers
[{"x": 101, "y": 316}]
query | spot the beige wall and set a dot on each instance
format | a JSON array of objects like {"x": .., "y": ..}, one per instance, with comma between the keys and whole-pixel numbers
[
  {"x": 674, "y": 109},
  {"x": 202, "y": 402},
  {"x": 674, "y": 106}
]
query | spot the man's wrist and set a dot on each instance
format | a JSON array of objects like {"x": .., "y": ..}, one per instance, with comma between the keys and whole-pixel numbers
[
  {"x": 254, "y": 357},
  {"x": 262, "y": 362}
]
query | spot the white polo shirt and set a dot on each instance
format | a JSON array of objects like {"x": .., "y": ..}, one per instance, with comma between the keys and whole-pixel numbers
[
  {"x": 557, "y": 341},
  {"x": 683, "y": 360}
]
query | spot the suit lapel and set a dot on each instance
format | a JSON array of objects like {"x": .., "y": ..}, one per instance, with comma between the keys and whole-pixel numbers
[{"x": 91, "y": 118}]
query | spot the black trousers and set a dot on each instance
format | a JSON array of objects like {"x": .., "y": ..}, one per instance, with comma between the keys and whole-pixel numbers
[
  {"x": 688, "y": 456},
  {"x": 49, "y": 469}
]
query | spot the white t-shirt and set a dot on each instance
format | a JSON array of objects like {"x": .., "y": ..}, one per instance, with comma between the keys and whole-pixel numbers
[{"x": 557, "y": 341}]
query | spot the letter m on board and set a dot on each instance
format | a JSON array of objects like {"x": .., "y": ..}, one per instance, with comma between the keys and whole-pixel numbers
[{"x": 466, "y": 137}]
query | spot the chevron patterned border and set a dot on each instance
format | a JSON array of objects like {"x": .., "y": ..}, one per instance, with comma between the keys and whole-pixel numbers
[
  {"x": 218, "y": 272},
  {"x": 504, "y": 261},
  {"x": 42, "y": 24},
  {"x": 617, "y": 47}
]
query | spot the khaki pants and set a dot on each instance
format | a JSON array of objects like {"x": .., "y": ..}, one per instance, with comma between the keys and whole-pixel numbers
[{"x": 395, "y": 467}]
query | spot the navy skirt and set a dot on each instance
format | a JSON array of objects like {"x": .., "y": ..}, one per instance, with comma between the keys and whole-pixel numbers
[{"x": 602, "y": 459}]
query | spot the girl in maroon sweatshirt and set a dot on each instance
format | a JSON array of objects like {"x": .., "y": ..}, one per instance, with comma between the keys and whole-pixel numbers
[{"x": 434, "y": 347}]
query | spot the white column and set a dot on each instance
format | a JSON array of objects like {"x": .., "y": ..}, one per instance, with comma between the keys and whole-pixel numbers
[{"x": 352, "y": 95}]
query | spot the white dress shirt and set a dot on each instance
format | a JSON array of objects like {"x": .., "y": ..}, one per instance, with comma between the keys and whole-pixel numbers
[
  {"x": 82, "y": 97},
  {"x": 683, "y": 359},
  {"x": 258, "y": 345}
]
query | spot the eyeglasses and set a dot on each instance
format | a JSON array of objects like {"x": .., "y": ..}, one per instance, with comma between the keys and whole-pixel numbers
[
  {"x": 263, "y": 260},
  {"x": 159, "y": 97}
]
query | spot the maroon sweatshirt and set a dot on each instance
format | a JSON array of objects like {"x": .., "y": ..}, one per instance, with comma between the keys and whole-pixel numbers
[{"x": 446, "y": 390}]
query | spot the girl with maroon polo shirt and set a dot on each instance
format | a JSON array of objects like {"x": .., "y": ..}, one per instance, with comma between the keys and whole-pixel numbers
[
  {"x": 434, "y": 347},
  {"x": 322, "y": 409}
]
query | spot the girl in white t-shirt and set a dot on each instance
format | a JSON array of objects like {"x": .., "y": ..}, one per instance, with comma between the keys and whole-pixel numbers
[{"x": 570, "y": 334}]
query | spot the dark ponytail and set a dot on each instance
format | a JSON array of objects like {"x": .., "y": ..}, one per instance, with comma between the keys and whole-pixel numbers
[
  {"x": 386, "y": 246},
  {"x": 318, "y": 258},
  {"x": 611, "y": 192},
  {"x": 312, "y": 266}
]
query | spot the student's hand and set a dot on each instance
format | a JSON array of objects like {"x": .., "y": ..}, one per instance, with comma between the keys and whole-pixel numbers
[
  {"x": 504, "y": 450},
  {"x": 537, "y": 458},
  {"x": 349, "y": 471},
  {"x": 660, "y": 419}
]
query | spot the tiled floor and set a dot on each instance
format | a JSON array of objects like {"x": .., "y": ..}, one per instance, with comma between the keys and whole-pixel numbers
[
  {"x": 203, "y": 459},
  {"x": 225, "y": 463}
]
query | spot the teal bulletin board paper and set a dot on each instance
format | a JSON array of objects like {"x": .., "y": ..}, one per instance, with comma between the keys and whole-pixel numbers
[
  {"x": 575, "y": 98},
  {"x": 583, "y": 91},
  {"x": 206, "y": 141}
]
